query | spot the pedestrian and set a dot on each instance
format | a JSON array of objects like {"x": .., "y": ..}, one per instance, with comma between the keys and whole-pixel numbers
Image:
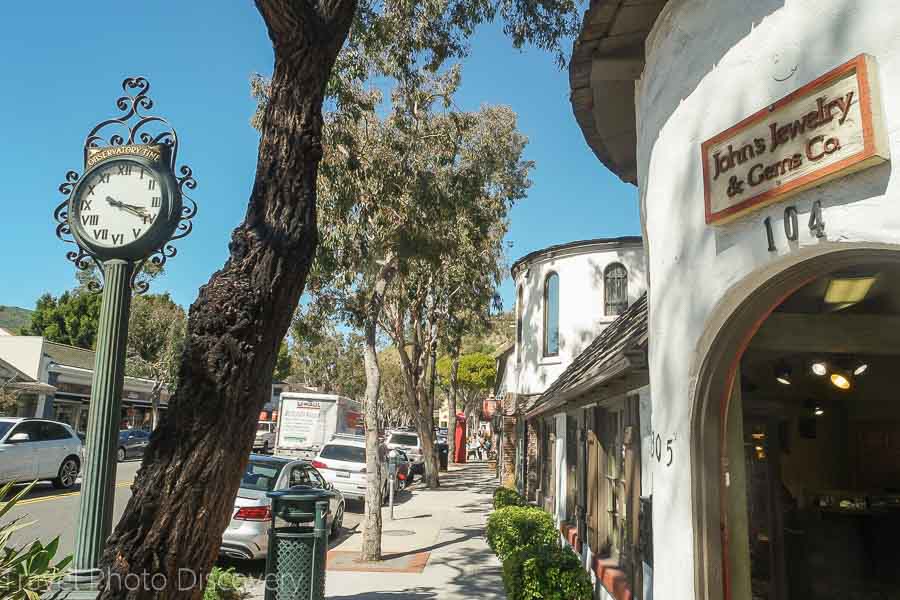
[{"x": 471, "y": 448}]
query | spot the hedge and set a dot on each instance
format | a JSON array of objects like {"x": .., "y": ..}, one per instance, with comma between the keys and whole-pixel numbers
[
  {"x": 504, "y": 496},
  {"x": 545, "y": 573},
  {"x": 516, "y": 527}
]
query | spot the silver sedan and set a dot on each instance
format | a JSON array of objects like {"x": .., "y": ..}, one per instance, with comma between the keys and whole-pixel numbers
[{"x": 247, "y": 536}]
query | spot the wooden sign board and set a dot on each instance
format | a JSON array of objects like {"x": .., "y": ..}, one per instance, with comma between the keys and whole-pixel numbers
[{"x": 829, "y": 128}]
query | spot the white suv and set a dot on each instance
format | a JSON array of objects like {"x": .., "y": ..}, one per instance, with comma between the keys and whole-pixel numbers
[
  {"x": 39, "y": 449},
  {"x": 342, "y": 462},
  {"x": 408, "y": 442}
]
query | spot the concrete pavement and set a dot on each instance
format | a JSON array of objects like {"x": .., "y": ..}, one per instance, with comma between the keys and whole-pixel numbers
[{"x": 447, "y": 524}]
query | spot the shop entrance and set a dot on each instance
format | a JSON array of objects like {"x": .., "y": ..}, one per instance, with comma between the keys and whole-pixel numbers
[
  {"x": 821, "y": 441},
  {"x": 798, "y": 476}
]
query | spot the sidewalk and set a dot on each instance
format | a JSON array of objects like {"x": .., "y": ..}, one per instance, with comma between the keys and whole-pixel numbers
[{"x": 434, "y": 549}]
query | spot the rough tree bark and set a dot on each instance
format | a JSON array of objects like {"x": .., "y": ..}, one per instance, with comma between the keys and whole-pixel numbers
[
  {"x": 371, "y": 544},
  {"x": 184, "y": 493},
  {"x": 451, "y": 408}
]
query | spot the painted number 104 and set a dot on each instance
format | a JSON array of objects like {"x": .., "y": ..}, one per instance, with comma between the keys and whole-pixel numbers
[{"x": 791, "y": 226}]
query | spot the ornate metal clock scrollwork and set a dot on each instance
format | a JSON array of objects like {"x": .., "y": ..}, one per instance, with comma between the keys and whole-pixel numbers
[{"x": 132, "y": 130}]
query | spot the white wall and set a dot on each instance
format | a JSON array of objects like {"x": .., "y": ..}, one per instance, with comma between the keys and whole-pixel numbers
[
  {"x": 24, "y": 353},
  {"x": 710, "y": 63},
  {"x": 581, "y": 307}
]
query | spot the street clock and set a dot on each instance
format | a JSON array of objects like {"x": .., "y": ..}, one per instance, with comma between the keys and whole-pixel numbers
[{"x": 125, "y": 206}]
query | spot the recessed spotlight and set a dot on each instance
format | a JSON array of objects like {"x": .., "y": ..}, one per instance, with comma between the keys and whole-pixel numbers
[
  {"x": 819, "y": 411},
  {"x": 840, "y": 381},
  {"x": 859, "y": 370},
  {"x": 819, "y": 368}
]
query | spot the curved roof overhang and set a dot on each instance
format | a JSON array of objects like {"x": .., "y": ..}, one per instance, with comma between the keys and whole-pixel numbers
[{"x": 607, "y": 59}]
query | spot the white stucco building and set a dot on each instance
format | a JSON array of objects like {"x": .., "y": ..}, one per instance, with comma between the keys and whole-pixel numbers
[
  {"x": 760, "y": 136},
  {"x": 565, "y": 296}
]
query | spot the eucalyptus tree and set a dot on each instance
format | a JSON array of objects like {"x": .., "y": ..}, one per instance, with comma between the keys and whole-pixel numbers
[{"x": 183, "y": 495}]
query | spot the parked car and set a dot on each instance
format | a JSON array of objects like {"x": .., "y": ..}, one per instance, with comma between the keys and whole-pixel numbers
[
  {"x": 403, "y": 467},
  {"x": 265, "y": 437},
  {"x": 342, "y": 461},
  {"x": 39, "y": 449},
  {"x": 409, "y": 443},
  {"x": 247, "y": 535},
  {"x": 132, "y": 442}
]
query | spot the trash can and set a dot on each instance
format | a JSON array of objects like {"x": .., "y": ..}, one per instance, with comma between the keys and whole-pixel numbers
[
  {"x": 298, "y": 545},
  {"x": 443, "y": 456}
]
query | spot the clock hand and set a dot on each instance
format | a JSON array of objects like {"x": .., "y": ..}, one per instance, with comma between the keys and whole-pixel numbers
[{"x": 113, "y": 202}]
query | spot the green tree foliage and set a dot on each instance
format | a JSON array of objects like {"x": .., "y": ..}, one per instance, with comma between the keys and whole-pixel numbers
[
  {"x": 325, "y": 358},
  {"x": 283, "y": 364},
  {"x": 156, "y": 329},
  {"x": 514, "y": 528},
  {"x": 70, "y": 318},
  {"x": 476, "y": 373}
]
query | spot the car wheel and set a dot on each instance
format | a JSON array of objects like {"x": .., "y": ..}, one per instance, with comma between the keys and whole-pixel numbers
[
  {"x": 338, "y": 521},
  {"x": 120, "y": 454},
  {"x": 68, "y": 473}
]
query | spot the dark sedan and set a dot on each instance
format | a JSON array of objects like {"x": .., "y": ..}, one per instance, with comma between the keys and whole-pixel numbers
[{"x": 132, "y": 443}]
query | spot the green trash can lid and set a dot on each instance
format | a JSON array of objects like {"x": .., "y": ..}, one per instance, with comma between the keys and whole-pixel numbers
[{"x": 300, "y": 493}]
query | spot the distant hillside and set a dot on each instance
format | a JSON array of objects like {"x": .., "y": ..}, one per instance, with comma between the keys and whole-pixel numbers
[{"x": 14, "y": 318}]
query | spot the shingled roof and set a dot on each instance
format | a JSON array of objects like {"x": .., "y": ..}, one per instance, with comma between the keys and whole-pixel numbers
[
  {"x": 69, "y": 356},
  {"x": 610, "y": 354}
]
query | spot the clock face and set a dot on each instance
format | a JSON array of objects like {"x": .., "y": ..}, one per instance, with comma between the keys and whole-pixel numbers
[{"x": 117, "y": 203}]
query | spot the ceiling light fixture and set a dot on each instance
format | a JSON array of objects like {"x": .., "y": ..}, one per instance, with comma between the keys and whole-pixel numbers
[
  {"x": 860, "y": 369},
  {"x": 840, "y": 381},
  {"x": 819, "y": 411},
  {"x": 848, "y": 290},
  {"x": 783, "y": 373},
  {"x": 819, "y": 368}
]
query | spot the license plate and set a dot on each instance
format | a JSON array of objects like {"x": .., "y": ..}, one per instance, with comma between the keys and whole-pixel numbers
[{"x": 342, "y": 473}]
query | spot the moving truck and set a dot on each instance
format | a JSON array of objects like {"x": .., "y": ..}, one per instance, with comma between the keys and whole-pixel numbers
[{"x": 307, "y": 420}]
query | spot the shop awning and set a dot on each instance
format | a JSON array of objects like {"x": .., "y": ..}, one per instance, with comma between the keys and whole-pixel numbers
[{"x": 618, "y": 351}]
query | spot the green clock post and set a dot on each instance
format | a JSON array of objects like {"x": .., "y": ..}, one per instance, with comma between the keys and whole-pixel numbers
[{"x": 124, "y": 211}]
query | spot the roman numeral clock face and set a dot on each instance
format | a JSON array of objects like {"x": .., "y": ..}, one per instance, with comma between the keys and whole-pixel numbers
[{"x": 117, "y": 203}]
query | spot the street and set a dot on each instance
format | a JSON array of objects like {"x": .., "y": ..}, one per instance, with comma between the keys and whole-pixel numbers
[{"x": 55, "y": 512}]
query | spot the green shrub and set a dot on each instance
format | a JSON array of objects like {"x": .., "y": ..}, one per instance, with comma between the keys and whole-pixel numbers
[
  {"x": 546, "y": 573},
  {"x": 25, "y": 572},
  {"x": 224, "y": 584},
  {"x": 504, "y": 496},
  {"x": 515, "y": 527}
]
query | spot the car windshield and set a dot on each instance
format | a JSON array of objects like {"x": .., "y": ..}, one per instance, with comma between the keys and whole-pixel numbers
[
  {"x": 4, "y": 427},
  {"x": 344, "y": 453},
  {"x": 404, "y": 439},
  {"x": 260, "y": 476}
]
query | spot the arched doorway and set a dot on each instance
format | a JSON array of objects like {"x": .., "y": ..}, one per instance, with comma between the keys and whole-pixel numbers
[{"x": 790, "y": 500}]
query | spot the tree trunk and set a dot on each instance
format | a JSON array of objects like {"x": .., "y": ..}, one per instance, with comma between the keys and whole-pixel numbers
[
  {"x": 451, "y": 405},
  {"x": 371, "y": 542},
  {"x": 183, "y": 495}
]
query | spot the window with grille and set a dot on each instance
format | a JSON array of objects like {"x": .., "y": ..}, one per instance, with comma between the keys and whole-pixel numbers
[
  {"x": 551, "y": 315},
  {"x": 615, "y": 289}
]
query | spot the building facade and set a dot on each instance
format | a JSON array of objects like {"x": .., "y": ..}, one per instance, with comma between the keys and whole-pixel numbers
[
  {"x": 578, "y": 359},
  {"x": 760, "y": 136},
  {"x": 61, "y": 384}
]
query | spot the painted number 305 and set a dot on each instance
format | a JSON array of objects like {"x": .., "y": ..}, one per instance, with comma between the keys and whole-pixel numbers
[
  {"x": 661, "y": 450},
  {"x": 791, "y": 227}
]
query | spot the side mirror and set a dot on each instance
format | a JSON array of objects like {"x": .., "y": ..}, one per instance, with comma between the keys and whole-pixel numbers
[{"x": 18, "y": 438}]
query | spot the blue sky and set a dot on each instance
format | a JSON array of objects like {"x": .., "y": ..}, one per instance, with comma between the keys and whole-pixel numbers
[{"x": 198, "y": 57}]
